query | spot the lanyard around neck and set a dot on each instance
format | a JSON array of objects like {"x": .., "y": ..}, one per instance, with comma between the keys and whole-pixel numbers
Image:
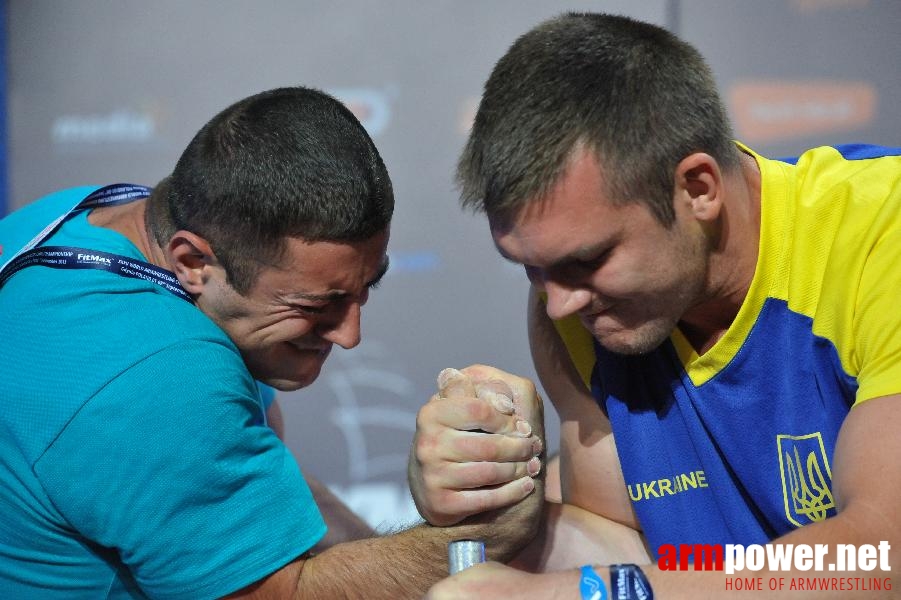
[{"x": 70, "y": 257}]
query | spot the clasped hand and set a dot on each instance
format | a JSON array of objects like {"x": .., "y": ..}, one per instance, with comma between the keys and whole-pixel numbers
[{"x": 477, "y": 445}]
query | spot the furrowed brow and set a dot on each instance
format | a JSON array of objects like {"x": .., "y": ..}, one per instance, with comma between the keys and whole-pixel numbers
[
  {"x": 579, "y": 255},
  {"x": 338, "y": 295}
]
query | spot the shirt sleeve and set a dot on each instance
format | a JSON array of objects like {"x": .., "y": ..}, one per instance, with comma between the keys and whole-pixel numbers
[
  {"x": 170, "y": 466},
  {"x": 877, "y": 321}
]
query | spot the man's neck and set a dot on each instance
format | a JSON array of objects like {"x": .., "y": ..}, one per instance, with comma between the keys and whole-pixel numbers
[
  {"x": 733, "y": 264},
  {"x": 128, "y": 219}
]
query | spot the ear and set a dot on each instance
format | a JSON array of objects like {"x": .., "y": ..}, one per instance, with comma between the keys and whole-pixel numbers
[
  {"x": 700, "y": 182},
  {"x": 192, "y": 259}
]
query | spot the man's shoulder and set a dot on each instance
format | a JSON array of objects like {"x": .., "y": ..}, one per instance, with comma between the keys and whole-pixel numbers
[
  {"x": 90, "y": 330},
  {"x": 54, "y": 203},
  {"x": 20, "y": 226},
  {"x": 842, "y": 152}
]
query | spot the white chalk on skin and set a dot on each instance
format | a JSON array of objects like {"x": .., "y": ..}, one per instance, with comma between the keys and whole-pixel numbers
[
  {"x": 500, "y": 401},
  {"x": 446, "y": 376}
]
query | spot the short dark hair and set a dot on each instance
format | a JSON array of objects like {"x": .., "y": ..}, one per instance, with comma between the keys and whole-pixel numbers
[
  {"x": 286, "y": 163},
  {"x": 631, "y": 92}
]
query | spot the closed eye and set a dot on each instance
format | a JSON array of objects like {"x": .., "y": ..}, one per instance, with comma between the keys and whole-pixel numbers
[
  {"x": 593, "y": 263},
  {"x": 312, "y": 310}
]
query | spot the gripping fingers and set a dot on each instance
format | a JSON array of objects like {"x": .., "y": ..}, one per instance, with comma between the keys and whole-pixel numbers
[
  {"x": 527, "y": 404},
  {"x": 471, "y": 414},
  {"x": 454, "y": 384},
  {"x": 497, "y": 402},
  {"x": 481, "y": 447},
  {"x": 484, "y": 499},
  {"x": 498, "y": 394},
  {"x": 471, "y": 475}
]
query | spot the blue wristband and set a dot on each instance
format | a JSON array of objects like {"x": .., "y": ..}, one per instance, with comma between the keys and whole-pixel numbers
[
  {"x": 628, "y": 582},
  {"x": 592, "y": 586}
]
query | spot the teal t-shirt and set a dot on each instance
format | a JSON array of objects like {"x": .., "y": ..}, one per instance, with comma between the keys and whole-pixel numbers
[{"x": 134, "y": 456}]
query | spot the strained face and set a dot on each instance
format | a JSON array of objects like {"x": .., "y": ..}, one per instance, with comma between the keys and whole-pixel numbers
[
  {"x": 288, "y": 322},
  {"x": 627, "y": 277}
]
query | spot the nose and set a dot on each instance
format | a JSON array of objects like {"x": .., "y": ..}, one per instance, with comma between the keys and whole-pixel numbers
[
  {"x": 345, "y": 330},
  {"x": 564, "y": 299}
]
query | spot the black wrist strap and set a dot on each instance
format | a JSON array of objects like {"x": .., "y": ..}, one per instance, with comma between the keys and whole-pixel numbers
[{"x": 628, "y": 582}]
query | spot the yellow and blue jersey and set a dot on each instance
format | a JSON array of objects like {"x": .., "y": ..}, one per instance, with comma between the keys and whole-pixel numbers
[{"x": 736, "y": 445}]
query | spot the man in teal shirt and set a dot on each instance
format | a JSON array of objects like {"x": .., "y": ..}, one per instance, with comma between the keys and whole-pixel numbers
[{"x": 135, "y": 460}]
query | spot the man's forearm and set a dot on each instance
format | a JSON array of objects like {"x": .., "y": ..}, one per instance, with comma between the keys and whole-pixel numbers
[
  {"x": 408, "y": 563},
  {"x": 570, "y": 536},
  {"x": 402, "y": 565}
]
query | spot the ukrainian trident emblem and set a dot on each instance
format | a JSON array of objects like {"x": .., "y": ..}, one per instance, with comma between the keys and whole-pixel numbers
[{"x": 806, "y": 478}]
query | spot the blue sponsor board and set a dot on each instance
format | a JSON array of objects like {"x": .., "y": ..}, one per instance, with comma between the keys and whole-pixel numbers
[{"x": 421, "y": 261}]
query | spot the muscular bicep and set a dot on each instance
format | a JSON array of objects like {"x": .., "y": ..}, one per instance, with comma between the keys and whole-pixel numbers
[
  {"x": 866, "y": 482},
  {"x": 866, "y": 477},
  {"x": 590, "y": 474}
]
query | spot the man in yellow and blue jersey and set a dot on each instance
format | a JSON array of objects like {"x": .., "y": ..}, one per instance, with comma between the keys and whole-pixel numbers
[{"x": 718, "y": 331}]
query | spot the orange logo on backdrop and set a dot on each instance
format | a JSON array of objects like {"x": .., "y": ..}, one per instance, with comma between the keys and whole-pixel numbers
[
  {"x": 818, "y": 5},
  {"x": 769, "y": 111}
]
